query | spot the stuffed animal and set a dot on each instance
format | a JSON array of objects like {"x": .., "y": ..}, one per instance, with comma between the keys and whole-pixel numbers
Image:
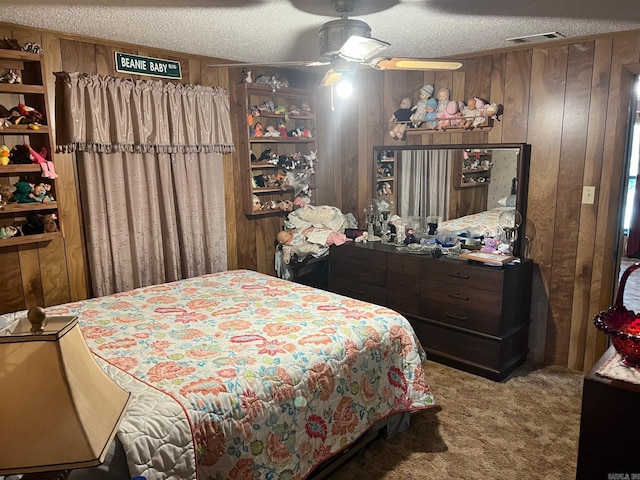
[
  {"x": 20, "y": 155},
  {"x": 490, "y": 245},
  {"x": 401, "y": 117},
  {"x": 23, "y": 193},
  {"x": 10, "y": 231},
  {"x": 41, "y": 193},
  {"x": 49, "y": 222},
  {"x": 45, "y": 165},
  {"x": 6, "y": 192},
  {"x": 420, "y": 109},
  {"x": 33, "y": 225},
  {"x": 4, "y": 155}
]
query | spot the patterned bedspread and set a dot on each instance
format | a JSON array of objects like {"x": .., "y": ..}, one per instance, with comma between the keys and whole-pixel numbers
[
  {"x": 482, "y": 223},
  {"x": 272, "y": 377}
]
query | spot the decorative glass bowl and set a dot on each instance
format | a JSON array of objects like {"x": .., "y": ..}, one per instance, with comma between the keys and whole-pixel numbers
[{"x": 622, "y": 325}]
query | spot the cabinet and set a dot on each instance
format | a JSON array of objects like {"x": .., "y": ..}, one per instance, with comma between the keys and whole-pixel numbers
[
  {"x": 609, "y": 426},
  {"x": 467, "y": 315},
  {"x": 275, "y": 168},
  {"x": 31, "y": 91}
]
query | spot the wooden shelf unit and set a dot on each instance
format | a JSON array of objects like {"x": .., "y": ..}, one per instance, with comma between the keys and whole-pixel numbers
[
  {"x": 249, "y": 95},
  {"x": 32, "y": 91}
]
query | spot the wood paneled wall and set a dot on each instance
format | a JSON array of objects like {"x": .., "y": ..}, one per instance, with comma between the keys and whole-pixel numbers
[{"x": 568, "y": 100}]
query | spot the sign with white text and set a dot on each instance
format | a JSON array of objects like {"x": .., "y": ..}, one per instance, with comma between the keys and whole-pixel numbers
[{"x": 154, "y": 67}]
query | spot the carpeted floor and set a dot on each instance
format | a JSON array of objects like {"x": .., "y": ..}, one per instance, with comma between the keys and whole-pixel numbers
[{"x": 523, "y": 427}]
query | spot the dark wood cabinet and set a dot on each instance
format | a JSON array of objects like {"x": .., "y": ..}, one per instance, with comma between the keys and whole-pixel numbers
[
  {"x": 609, "y": 422},
  {"x": 471, "y": 316}
]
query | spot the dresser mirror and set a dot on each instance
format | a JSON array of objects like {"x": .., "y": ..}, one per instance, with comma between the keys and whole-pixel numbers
[{"x": 459, "y": 187}]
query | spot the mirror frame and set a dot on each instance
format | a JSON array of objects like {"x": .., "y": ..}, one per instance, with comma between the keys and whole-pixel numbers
[{"x": 522, "y": 174}]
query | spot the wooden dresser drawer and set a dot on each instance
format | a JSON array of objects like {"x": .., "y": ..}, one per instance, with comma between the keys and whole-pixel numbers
[
  {"x": 403, "y": 302},
  {"x": 361, "y": 291},
  {"x": 466, "y": 296},
  {"x": 358, "y": 274},
  {"x": 358, "y": 256},
  {"x": 494, "y": 354},
  {"x": 402, "y": 282},
  {"x": 404, "y": 264},
  {"x": 460, "y": 316},
  {"x": 464, "y": 274}
]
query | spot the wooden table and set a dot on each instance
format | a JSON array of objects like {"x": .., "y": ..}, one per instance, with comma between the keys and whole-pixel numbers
[{"x": 609, "y": 444}]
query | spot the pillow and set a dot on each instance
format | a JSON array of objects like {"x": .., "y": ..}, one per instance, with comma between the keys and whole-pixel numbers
[{"x": 509, "y": 201}]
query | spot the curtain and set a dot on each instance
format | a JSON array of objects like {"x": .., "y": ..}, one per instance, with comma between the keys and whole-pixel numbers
[
  {"x": 425, "y": 176},
  {"x": 633, "y": 242},
  {"x": 151, "y": 177}
]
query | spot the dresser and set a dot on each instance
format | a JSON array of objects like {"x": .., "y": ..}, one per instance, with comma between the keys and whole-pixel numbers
[
  {"x": 470, "y": 316},
  {"x": 609, "y": 426}
]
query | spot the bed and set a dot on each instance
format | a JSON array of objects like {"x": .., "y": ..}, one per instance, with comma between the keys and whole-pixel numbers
[
  {"x": 240, "y": 375},
  {"x": 482, "y": 224}
]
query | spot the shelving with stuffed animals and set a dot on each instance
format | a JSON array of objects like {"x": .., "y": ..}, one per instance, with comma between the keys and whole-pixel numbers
[
  {"x": 278, "y": 151},
  {"x": 25, "y": 143}
]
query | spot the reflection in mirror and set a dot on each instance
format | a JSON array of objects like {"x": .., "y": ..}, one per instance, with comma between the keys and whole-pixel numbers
[{"x": 458, "y": 187}]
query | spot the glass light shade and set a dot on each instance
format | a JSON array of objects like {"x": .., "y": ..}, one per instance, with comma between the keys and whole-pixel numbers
[
  {"x": 344, "y": 88},
  {"x": 359, "y": 48},
  {"x": 510, "y": 219},
  {"x": 60, "y": 410}
]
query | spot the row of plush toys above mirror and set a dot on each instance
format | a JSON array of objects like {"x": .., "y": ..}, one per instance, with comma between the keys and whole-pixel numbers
[{"x": 441, "y": 112}]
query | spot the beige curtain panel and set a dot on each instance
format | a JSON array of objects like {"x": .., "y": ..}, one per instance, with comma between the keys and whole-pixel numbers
[{"x": 112, "y": 114}]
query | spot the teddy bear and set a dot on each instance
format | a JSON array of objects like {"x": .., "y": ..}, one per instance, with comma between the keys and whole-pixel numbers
[
  {"x": 41, "y": 193},
  {"x": 401, "y": 117},
  {"x": 6, "y": 192}
]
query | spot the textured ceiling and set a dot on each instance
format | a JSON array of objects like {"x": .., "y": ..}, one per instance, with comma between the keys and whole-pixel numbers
[{"x": 268, "y": 31}]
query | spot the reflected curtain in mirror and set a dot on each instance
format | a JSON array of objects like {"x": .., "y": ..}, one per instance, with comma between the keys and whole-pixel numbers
[
  {"x": 150, "y": 169},
  {"x": 425, "y": 178}
]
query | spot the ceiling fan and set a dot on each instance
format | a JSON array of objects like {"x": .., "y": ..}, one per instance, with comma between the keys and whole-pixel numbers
[{"x": 346, "y": 44}]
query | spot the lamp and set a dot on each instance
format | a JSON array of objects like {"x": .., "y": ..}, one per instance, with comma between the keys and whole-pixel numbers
[
  {"x": 359, "y": 49},
  {"x": 60, "y": 410},
  {"x": 510, "y": 221}
]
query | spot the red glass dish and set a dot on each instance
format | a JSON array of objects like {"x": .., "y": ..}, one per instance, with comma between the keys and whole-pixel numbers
[{"x": 622, "y": 325}]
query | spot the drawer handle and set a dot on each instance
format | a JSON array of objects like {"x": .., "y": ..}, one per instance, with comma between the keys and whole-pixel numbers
[
  {"x": 457, "y": 296},
  {"x": 356, "y": 274},
  {"x": 455, "y": 316},
  {"x": 459, "y": 275},
  {"x": 359, "y": 292},
  {"x": 355, "y": 257}
]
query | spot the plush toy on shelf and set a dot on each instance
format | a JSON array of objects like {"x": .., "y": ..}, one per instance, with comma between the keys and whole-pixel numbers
[
  {"x": 449, "y": 117},
  {"x": 24, "y": 193},
  {"x": 49, "y": 222},
  {"x": 4, "y": 155},
  {"x": 45, "y": 165},
  {"x": 469, "y": 113},
  {"x": 402, "y": 118},
  {"x": 430, "y": 120}
]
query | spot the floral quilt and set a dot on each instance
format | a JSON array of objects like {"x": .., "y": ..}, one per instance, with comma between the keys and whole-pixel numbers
[{"x": 274, "y": 377}]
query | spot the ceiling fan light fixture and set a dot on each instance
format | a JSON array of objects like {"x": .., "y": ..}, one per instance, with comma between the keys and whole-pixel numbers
[
  {"x": 414, "y": 64},
  {"x": 360, "y": 49}
]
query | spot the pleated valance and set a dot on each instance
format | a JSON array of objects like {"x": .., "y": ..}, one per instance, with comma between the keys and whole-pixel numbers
[{"x": 111, "y": 114}]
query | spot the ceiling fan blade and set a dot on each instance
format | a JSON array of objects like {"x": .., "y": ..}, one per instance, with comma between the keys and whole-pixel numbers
[
  {"x": 385, "y": 63},
  {"x": 269, "y": 64},
  {"x": 330, "y": 78}
]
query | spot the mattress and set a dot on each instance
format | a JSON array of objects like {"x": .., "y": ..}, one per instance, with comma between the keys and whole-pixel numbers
[{"x": 240, "y": 375}]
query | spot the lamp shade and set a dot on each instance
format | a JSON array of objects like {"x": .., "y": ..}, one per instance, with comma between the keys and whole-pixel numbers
[{"x": 60, "y": 410}]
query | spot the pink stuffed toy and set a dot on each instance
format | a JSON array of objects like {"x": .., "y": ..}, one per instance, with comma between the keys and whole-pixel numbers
[
  {"x": 41, "y": 158},
  {"x": 490, "y": 245}
]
